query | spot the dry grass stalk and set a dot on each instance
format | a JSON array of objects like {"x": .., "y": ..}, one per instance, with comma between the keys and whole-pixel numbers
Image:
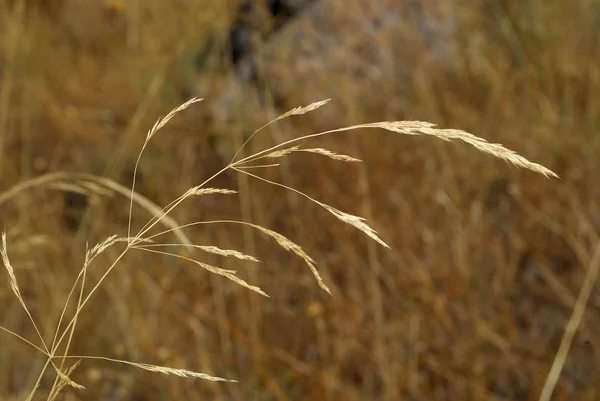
[
  {"x": 355, "y": 221},
  {"x": 424, "y": 128},
  {"x": 70, "y": 187},
  {"x": 209, "y": 249},
  {"x": 494, "y": 149},
  {"x": 179, "y": 372},
  {"x": 258, "y": 166},
  {"x": 102, "y": 246},
  {"x": 303, "y": 110},
  {"x": 290, "y": 246},
  {"x": 589, "y": 282},
  {"x": 297, "y": 111},
  {"x": 157, "y": 126},
  {"x": 11, "y": 271},
  {"x": 163, "y": 121},
  {"x": 281, "y": 240},
  {"x": 103, "y": 186},
  {"x": 330, "y": 154},
  {"x": 154, "y": 368},
  {"x": 66, "y": 380},
  {"x": 229, "y": 274},
  {"x": 26, "y": 341},
  {"x": 197, "y": 191},
  {"x": 80, "y": 186},
  {"x": 14, "y": 285},
  {"x": 282, "y": 152}
]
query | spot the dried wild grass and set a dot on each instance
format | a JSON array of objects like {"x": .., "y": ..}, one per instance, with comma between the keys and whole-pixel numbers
[
  {"x": 573, "y": 324},
  {"x": 209, "y": 249},
  {"x": 320, "y": 151},
  {"x": 144, "y": 241}
]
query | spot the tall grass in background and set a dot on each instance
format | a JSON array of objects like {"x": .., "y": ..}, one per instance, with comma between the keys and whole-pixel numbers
[{"x": 61, "y": 364}]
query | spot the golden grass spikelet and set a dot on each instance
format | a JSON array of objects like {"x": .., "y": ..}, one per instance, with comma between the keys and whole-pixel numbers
[
  {"x": 318, "y": 277},
  {"x": 321, "y": 151},
  {"x": 355, "y": 221},
  {"x": 422, "y": 128},
  {"x": 163, "y": 121},
  {"x": 494, "y": 149},
  {"x": 293, "y": 112},
  {"x": 257, "y": 166},
  {"x": 80, "y": 186},
  {"x": 284, "y": 242},
  {"x": 227, "y": 252},
  {"x": 11, "y": 272},
  {"x": 66, "y": 380},
  {"x": 110, "y": 241},
  {"x": 282, "y": 152},
  {"x": 159, "y": 369},
  {"x": 101, "y": 246},
  {"x": 210, "y": 249},
  {"x": 302, "y": 110},
  {"x": 179, "y": 372},
  {"x": 330, "y": 154},
  {"x": 292, "y": 247},
  {"x": 229, "y": 274},
  {"x": 198, "y": 191}
]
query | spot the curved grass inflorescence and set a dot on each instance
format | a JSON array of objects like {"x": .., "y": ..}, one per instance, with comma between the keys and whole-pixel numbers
[{"x": 143, "y": 241}]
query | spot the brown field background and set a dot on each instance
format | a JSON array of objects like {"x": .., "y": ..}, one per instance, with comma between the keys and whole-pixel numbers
[{"x": 486, "y": 260}]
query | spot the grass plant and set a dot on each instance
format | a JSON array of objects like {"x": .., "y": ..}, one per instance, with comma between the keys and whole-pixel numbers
[{"x": 57, "y": 353}]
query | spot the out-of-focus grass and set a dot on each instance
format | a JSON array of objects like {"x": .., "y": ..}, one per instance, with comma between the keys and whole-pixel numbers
[{"x": 486, "y": 263}]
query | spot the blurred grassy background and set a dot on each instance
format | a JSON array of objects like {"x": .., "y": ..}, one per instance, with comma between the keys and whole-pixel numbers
[{"x": 486, "y": 260}]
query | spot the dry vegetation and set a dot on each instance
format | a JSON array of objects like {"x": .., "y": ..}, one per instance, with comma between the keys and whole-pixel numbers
[{"x": 487, "y": 291}]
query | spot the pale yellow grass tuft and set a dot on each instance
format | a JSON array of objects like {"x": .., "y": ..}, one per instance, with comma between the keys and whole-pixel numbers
[
  {"x": 282, "y": 152},
  {"x": 163, "y": 121},
  {"x": 157, "y": 368},
  {"x": 290, "y": 246},
  {"x": 258, "y": 166},
  {"x": 303, "y": 110},
  {"x": 355, "y": 221},
  {"x": 14, "y": 285},
  {"x": 102, "y": 246},
  {"x": 330, "y": 154},
  {"x": 209, "y": 249},
  {"x": 66, "y": 380},
  {"x": 229, "y": 274},
  {"x": 415, "y": 128},
  {"x": 321, "y": 151},
  {"x": 494, "y": 149},
  {"x": 227, "y": 252},
  {"x": 293, "y": 112},
  {"x": 178, "y": 372},
  {"x": 198, "y": 191}
]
